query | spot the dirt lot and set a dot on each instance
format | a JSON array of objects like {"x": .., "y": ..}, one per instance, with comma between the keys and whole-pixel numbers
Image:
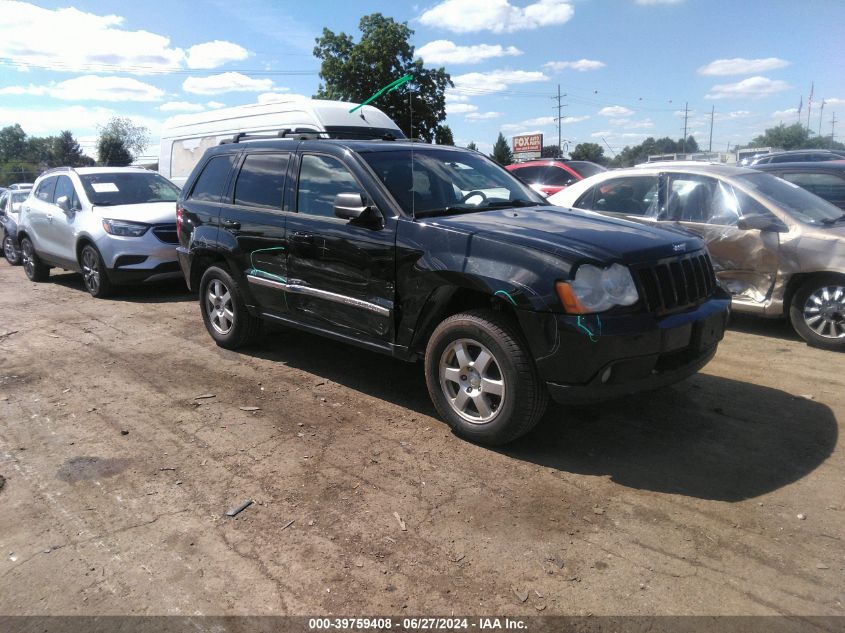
[{"x": 721, "y": 495}]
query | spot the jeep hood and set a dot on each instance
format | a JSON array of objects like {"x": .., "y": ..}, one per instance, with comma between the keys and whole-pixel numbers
[
  {"x": 568, "y": 233},
  {"x": 149, "y": 212}
]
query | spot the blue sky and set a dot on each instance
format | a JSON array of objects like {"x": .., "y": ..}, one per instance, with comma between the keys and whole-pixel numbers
[{"x": 627, "y": 67}]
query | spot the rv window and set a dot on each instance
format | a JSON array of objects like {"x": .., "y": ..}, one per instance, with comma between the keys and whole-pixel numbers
[
  {"x": 261, "y": 182},
  {"x": 212, "y": 180}
]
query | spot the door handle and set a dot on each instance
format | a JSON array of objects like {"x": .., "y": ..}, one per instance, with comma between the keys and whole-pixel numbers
[
  {"x": 49, "y": 217},
  {"x": 230, "y": 224},
  {"x": 302, "y": 237}
]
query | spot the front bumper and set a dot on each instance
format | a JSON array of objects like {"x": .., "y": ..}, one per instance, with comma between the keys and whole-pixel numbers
[
  {"x": 156, "y": 260},
  {"x": 595, "y": 359}
]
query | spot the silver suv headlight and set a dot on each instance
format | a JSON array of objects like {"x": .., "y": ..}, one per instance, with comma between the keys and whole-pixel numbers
[
  {"x": 597, "y": 289},
  {"x": 123, "y": 228}
]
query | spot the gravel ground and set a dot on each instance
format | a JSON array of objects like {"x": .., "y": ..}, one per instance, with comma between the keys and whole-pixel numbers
[{"x": 720, "y": 495}]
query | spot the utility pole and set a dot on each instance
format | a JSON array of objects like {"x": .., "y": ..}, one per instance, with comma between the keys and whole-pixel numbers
[
  {"x": 686, "y": 116},
  {"x": 810, "y": 106},
  {"x": 712, "y": 114},
  {"x": 820, "y": 118},
  {"x": 832, "y": 128},
  {"x": 559, "y": 118}
]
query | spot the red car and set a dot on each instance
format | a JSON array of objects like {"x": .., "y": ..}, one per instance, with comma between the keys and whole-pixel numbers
[{"x": 550, "y": 175}]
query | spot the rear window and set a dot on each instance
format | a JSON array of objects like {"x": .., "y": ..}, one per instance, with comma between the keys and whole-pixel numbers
[
  {"x": 211, "y": 182},
  {"x": 585, "y": 168}
]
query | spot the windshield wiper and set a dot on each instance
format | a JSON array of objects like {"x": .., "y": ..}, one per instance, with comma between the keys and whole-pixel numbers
[
  {"x": 829, "y": 221},
  {"x": 498, "y": 204},
  {"x": 442, "y": 211}
]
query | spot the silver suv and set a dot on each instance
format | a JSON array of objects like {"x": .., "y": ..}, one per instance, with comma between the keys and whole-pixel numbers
[
  {"x": 778, "y": 249},
  {"x": 115, "y": 225}
]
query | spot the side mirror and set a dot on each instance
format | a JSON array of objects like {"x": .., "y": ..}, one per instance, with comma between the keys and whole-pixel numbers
[
  {"x": 16, "y": 207},
  {"x": 351, "y": 206},
  {"x": 761, "y": 223},
  {"x": 63, "y": 203}
]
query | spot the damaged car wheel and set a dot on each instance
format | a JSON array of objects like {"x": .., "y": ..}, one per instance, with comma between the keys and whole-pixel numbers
[{"x": 817, "y": 312}]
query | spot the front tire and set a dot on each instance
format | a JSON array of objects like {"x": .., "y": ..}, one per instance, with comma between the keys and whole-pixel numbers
[
  {"x": 34, "y": 268},
  {"x": 94, "y": 273},
  {"x": 817, "y": 312},
  {"x": 224, "y": 312},
  {"x": 482, "y": 379},
  {"x": 10, "y": 251}
]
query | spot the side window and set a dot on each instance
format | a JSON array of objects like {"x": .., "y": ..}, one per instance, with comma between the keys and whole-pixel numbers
[
  {"x": 261, "y": 182},
  {"x": 557, "y": 177},
  {"x": 749, "y": 206},
  {"x": 690, "y": 198},
  {"x": 321, "y": 178},
  {"x": 828, "y": 186},
  {"x": 64, "y": 187},
  {"x": 4, "y": 202},
  {"x": 211, "y": 182},
  {"x": 44, "y": 191},
  {"x": 586, "y": 201},
  {"x": 634, "y": 195}
]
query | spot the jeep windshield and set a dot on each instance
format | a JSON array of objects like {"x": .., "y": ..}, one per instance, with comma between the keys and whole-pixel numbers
[
  {"x": 797, "y": 202},
  {"x": 109, "y": 189},
  {"x": 428, "y": 181}
]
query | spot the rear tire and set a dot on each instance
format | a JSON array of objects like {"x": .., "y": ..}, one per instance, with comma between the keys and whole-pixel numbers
[
  {"x": 224, "y": 312},
  {"x": 94, "y": 273},
  {"x": 482, "y": 379},
  {"x": 10, "y": 251},
  {"x": 817, "y": 312},
  {"x": 34, "y": 268}
]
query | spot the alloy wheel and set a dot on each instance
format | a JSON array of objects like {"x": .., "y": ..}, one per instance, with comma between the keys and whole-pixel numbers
[
  {"x": 219, "y": 307},
  {"x": 27, "y": 259},
  {"x": 91, "y": 270},
  {"x": 472, "y": 381},
  {"x": 9, "y": 249},
  {"x": 824, "y": 312}
]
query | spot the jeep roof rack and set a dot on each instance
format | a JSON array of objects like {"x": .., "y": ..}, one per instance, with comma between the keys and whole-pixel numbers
[{"x": 309, "y": 135}]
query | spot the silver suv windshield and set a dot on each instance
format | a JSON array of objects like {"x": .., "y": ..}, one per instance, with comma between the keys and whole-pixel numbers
[
  {"x": 797, "y": 202},
  {"x": 112, "y": 188},
  {"x": 430, "y": 181}
]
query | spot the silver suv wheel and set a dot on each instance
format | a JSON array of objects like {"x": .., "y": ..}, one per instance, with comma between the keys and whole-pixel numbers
[
  {"x": 472, "y": 381},
  {"x": 218, "y": 305},
  {"x": 91, "y": 270}
]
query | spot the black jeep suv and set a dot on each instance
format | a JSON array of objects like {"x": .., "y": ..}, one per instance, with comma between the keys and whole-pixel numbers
[{"x": 436, "y": 252}]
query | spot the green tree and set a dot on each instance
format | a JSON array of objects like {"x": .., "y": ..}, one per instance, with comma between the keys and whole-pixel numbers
[
  {"x": 355, "y": 71},
  {"x": 651, "y": 146},
  {"x": 471, "y": 145},
  {"x": 112, "y": 151},
  {"x": 12, "y": 143},
  {"x": 443, "y": 135},
  {"x": 551, "y": 151},
  {"x": 134, "y": 138},
  {"x": 41, "y": 150},
  {"x": 66, "y": 150},
  {"x": 589, "y": 151},
  {"x": 502, "y": 153}
]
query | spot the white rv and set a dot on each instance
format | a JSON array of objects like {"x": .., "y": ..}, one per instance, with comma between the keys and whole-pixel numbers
[{"x": 185, "y": 138}]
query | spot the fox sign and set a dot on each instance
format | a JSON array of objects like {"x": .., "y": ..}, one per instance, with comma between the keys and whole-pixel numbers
[{"x": 528, "y": 144}]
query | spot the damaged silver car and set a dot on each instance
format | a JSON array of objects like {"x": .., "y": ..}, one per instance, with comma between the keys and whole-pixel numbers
[{"x": 778, "y": 249}]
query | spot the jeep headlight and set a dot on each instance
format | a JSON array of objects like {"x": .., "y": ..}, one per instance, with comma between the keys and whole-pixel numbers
[
  {"x": 123, "y": 228},
  {"x": 597, "y": 289}
]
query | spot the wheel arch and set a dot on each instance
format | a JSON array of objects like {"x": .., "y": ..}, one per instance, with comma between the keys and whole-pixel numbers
[{"x": 799, "y": 279}]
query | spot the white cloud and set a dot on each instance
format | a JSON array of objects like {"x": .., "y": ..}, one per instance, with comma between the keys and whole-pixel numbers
[
  {"x": 214, "y": 54},
  {"x": 447, "y": 52},
  {"x": 279, "y": 97},
  {"x": 742, "y": 66},
  {"x": 582, "y": 65},
  {"x": 495, "y": 81},
  {"x": 70, "y": 40},
  {"x": 632, "y": 125},
  {"x": 214, "y": 105},
  {"x": 751, "y": 88},
  {"x": 498, "y": 16},
  {"x": 92, "y": 88},
  {"x": 181, "y": 106},
  {"x": 729, "y": 116},
  {"x": 482, "y": 116},
  {"x": 615, "y": 111},
  {"x": 225, "y": 82},
  {"x": 785, "y": 114},
  {"x": 79, "y": 119},
  {"x": 834, "y": 101},
  {"x": 541, "y": 122},
  {"x": 460, "y": 108},
  {"x": 454, "y": 97}
]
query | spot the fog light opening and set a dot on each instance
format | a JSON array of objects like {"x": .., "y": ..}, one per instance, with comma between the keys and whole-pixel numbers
[{"x": 605, "y": 376}]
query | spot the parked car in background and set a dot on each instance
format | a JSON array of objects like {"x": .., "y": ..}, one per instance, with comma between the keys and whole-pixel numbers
[
  {"x": 436, "y": 252},
  {"x": 825, "y": 179},
  {"x": 21, "y": 186},
  {"x": 115, "y": 225},
  {"x": 778, "y": 249},
  {"x": 186, "y": 136},
  {"x": 10, "y": 209},
  {"x": 549, "y": 176},
  {"x": 798, "y": 156}
]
